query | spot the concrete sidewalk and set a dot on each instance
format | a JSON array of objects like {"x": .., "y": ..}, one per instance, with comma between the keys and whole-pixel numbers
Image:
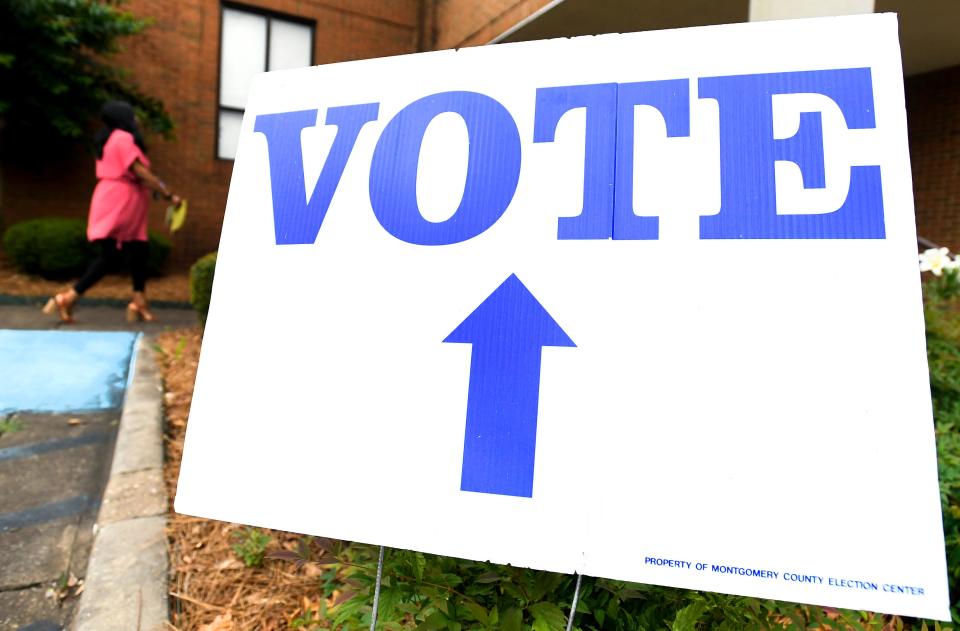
[
  {"x": 94, "y": 317},
  {"x": 81, "y": 491},
  {"x": 52, "y": 474}
]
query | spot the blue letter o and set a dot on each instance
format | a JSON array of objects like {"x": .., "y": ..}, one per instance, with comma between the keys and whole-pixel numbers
[{"x": 493, "y": 169}]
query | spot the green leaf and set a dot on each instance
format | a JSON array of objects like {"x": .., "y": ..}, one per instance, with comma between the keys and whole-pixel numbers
[
  {"x": 539, "y": 624},
  {"x": 512, "y": 620},
  {"x": 419, "y": 565},
  {"x": 613, "y": 608},
  {"x": 547, "y": 613},
  {"x": 512, "y": 590},
  {"x": 478, "y": 612},
  {"x": 544, "y": 584},
  {"x": 436, "y": 621},
  {"x": 687, "y": 618}
]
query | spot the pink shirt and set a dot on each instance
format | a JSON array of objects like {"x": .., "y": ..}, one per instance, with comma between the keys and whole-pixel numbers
[{"x": 120, "y": 201}]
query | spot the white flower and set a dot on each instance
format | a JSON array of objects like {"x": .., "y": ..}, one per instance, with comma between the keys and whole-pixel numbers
[{"x": 937, "y": 260}]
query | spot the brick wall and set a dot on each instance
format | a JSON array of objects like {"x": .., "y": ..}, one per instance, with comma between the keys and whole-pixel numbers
[
  {"x": 933, "y": 115},
  {"x": 177, "y": 59},
  {"x": 459, "y": 23}
]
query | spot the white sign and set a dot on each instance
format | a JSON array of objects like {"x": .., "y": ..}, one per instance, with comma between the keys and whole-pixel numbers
[{"x": 636, "y": 306}]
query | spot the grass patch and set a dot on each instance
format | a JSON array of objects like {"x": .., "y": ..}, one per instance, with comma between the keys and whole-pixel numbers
[{"x": 10, "y": 424}]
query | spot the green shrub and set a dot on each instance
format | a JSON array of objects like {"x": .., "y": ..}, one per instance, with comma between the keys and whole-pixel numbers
[
  {"x": 425, "y": 591},
  {"x": 57, "y": 248},
  {"x": 157, "y": 252},
  {"x": 943, "y": 356},
  {"x": 201, "y": 284},
  {"x": 250, "y": 544},
  {"x": 52, "y": 247}
]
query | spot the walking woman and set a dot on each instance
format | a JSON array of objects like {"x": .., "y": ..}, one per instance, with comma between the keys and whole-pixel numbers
[{"x": 118, "y": 210}]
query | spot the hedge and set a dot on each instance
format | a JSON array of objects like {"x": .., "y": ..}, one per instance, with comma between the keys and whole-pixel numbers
[
  {"x": 201, "y": 284},
  {"x": 57, "y": 248}
]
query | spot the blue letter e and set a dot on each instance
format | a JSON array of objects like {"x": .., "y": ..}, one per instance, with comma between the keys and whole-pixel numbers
[{"x": 748, "y": 151}]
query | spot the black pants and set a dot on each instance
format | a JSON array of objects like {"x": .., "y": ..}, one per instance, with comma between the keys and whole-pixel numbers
[{"x": 109, "y": 256}]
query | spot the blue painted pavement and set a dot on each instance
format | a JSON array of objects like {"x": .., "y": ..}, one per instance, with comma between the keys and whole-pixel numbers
[{"x": 59, "y": 371}]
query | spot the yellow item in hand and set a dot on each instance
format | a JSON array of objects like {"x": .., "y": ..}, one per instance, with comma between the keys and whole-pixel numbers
[{"x": 176, "y": 215}]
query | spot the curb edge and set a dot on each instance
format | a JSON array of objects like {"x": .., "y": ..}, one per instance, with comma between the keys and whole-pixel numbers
[{"x": 126, "y": 578}]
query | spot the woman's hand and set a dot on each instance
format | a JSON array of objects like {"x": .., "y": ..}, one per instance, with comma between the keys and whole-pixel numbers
[
  {"x": 175, "y": 200},
  {"x": 153, "y": 181}
]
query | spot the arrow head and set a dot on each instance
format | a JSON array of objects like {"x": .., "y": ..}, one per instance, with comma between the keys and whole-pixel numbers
[{"x": 510, "y": 316}]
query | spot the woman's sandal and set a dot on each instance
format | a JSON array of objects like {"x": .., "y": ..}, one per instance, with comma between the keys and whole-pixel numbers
[
  {"x": 59, "y": 305},
  {"x": 139, "y": 313}
]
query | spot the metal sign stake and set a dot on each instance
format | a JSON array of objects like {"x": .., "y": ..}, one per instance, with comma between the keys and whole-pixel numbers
[
  {"x": 573, "y": 605},
  {"x": 376, "y": 591}
]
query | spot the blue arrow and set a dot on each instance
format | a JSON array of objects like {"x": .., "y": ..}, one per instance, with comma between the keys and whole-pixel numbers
[{"x": 508, "y": 331}]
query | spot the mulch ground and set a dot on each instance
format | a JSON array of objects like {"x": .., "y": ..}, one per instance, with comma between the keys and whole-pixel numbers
[
  {"x": 210, "y": 588},
  {"x": 174, "y": 286}
]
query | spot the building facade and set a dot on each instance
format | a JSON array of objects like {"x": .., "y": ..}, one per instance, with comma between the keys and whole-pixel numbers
[{"x": 196, "y": 54}]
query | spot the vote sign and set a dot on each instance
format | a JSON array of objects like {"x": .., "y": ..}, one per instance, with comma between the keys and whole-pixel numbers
[{"x": 637, "y": 306}]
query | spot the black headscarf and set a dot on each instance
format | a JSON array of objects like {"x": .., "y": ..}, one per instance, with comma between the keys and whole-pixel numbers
[{"x": 117, "y": 115}]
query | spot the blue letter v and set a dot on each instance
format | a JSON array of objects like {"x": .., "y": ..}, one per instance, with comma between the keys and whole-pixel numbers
[{"x": 296, "y": 220}]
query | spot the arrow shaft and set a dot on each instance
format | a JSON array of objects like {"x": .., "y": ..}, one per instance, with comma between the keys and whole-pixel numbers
[{"x": 501, "y": 434}]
